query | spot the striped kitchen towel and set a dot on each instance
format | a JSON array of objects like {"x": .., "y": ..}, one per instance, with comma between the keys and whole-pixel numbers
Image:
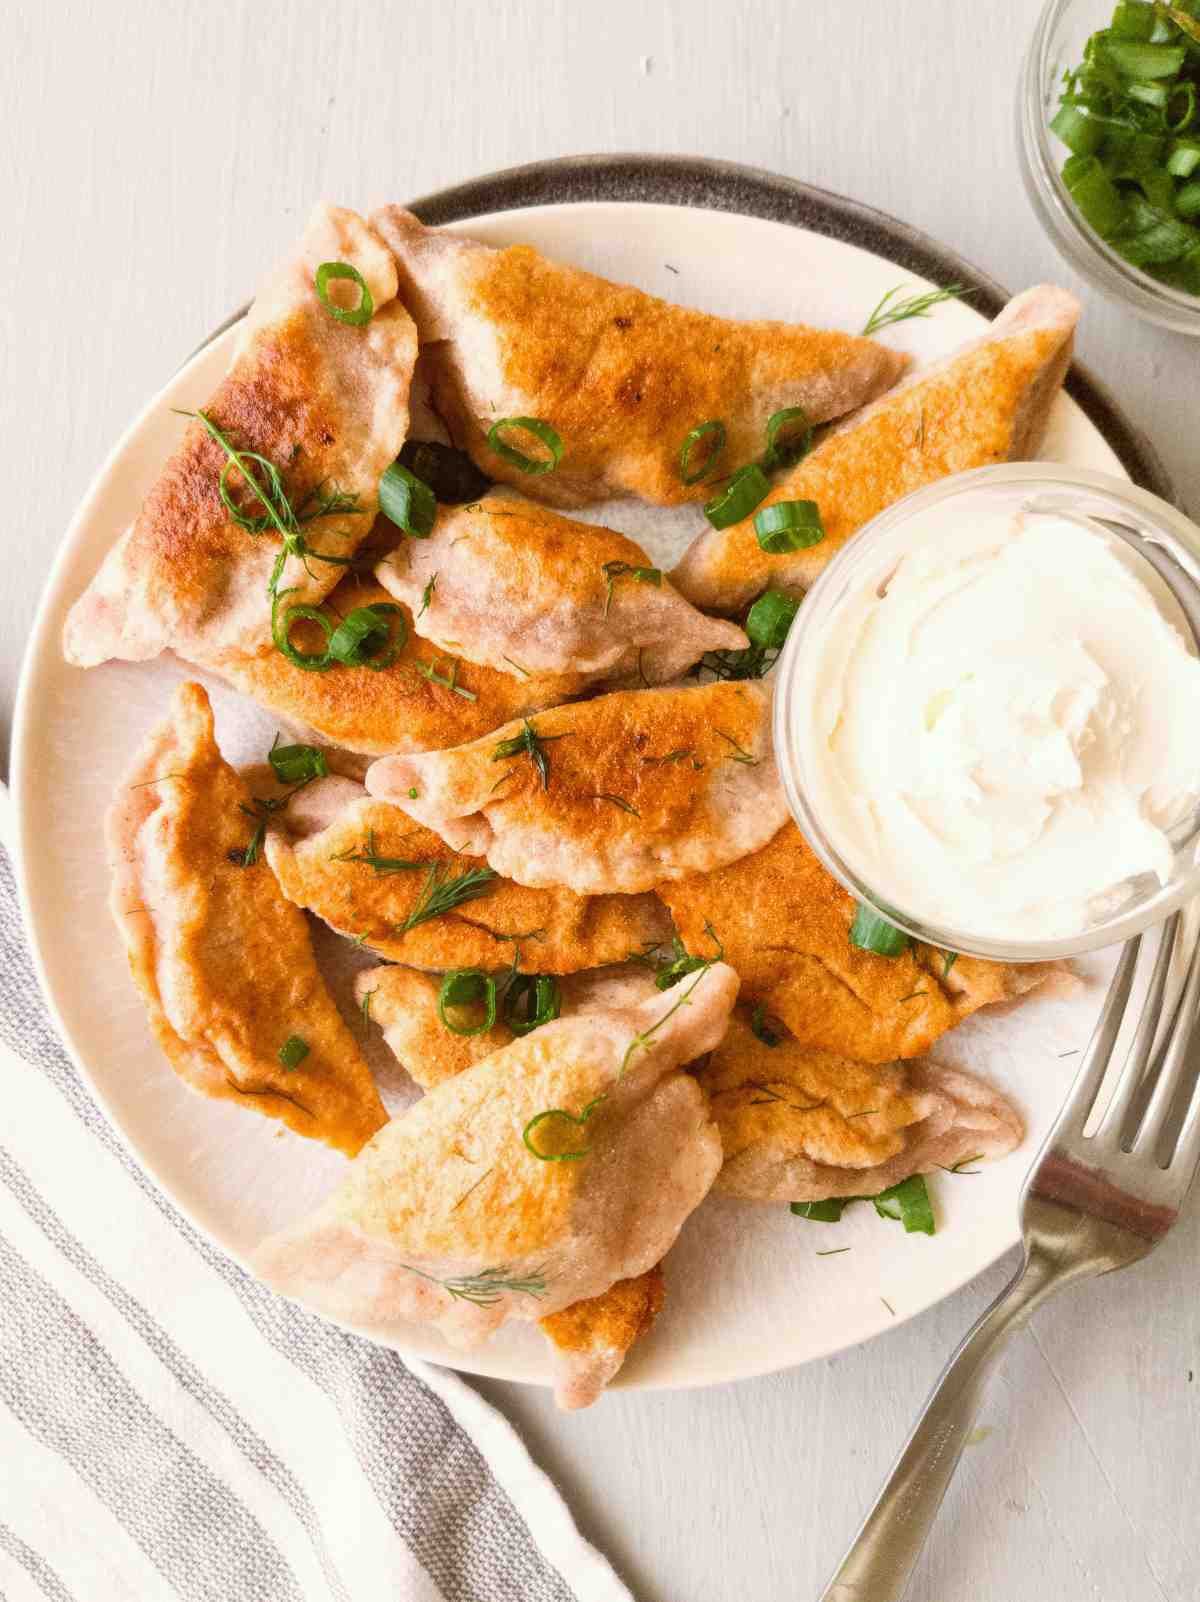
[{"x": 171, "y": 1429}]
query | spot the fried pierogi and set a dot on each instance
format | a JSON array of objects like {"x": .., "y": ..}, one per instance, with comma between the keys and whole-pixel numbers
[
  {"x": 373, "y": 874},
  {"x": 615, "y": 794},
  {"x": 802, "y": 1125},
  {"x": 987, "y": 403},
  {"x": 590, "y": 1339},
  {"x": 518, "y": 588},
  {"x": 321, "y": 408},
  {"x": 784, "y": 924},
  {"x": 621, "y": 377},
  {"x": 458, "y": 1216},
  {"x": 223, "y": 961},
  {"x": 423, "y": 701}
]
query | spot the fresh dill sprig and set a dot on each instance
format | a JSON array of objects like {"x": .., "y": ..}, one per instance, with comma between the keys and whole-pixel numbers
[
  {"x": 429, "y": 670},
  {"x": 614, "y": 570},
  {"x": 529, "y": 743},
  {"x": 366, "y": 1006},
  {"x": 962, "y": 1165},
  {"x": 486, "y": 1288},
  {"x": 618, "y": 801},
  {"x": 380, "y": 866},
  {"x": 278, "y": 512},
  {"x": 280, "y": 1095},
  {"x": 751, "y": 663},
  {"x": 890, "y": 310},
  {"x": 740, "y": 754},
  {"x": 670, "y": 757},
  {"x": 767, "y": 1094},
  {"x": 442, "y": 892},
  {"x": 427, "y": 595},
  {"x": 639, "y": 1042}
]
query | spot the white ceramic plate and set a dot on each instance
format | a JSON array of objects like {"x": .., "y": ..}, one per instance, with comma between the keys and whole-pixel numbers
[{"x": 747, "y": 1292}]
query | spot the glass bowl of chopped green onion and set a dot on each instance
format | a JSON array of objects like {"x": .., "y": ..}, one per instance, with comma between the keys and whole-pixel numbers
[{"x": 1109, "y": 137}]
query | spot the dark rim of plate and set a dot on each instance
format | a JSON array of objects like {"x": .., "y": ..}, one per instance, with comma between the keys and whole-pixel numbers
[{"x": 753, "y": 192}]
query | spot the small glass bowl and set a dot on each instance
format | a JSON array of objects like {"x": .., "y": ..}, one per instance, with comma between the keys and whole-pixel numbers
[
  {"x": 1168, "y": 542},
  {"x": 1057, "y": 45}
]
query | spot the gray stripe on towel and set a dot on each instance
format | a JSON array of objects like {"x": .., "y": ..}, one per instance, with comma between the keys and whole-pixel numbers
[
  {"x": 428, "y": 1475},
  {"x": 181, "y": 1368},
  {"x": 34, "y": 1565},
  {"x": 60, "y": 1382}
]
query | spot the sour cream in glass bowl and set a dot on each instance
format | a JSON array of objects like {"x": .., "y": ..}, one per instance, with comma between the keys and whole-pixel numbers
[{"x": 988, "y": 712}]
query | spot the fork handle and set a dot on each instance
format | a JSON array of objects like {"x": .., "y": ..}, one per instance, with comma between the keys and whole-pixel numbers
[{"x": 884, "y": 1553}]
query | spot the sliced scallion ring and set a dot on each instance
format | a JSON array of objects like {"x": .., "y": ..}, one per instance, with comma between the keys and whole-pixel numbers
[
  {"x": 297, "y": 764},
  {"x": 1181, "y": 107},
  {"x": 355, "y": 316},
  {"x": 908, "y": 1202},
  {"x": 531, "y": 1000},
  {"x": 714, "y": 431},
  {"x": 797, "y": 441},
  {"x": 407, "y": 501},
  {"x": 467, "y": 990},
  {"x": 364, "y": 637},
  {"x": 788, "y": 526},
  {"x": 548, "y": 436},
  {"x": 284, "y": 619},
  {"x": 770, "y": 618},
  {"x": 870, "y": 932},
  {"x": 747, "y": 488}
]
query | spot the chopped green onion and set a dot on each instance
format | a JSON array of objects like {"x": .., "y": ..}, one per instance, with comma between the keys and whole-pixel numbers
[
  {"x": 297, "y": 764},
  {"x": 1151, "y": 238},
  {"x": 870, "y": 932},
  {"x": 746, "y": 489},
  {"x": 822, "y": 1212},
  {"x": 909, "y": 1203},
  {"x": 407, "y": 501},
  {"x": 1149, "y": 94},
  {"x": 467, "y": 988},
  {"x": 1141, "y": 61},
  {"x": 578, "y": 1121},
  {"x": 356, "y": 316},
  {"x": 1094, "y": 192},
  {"x": 1187, "y": 201},
  {"x": 364, "y": 637},
  {"x": 283, "y": 620},
  {"x": 788, "y": 526},
  {"x": 531, "y": 1000},
  {"x": 1133, "y": 19},
  {"x": 515, "y": 458},
  {"x": 450, "y": 474},
  {"x": 770, "y": 618},
  {"x": 293, "y": 1052},
  {"x": 1078, "y": 129},
  {"x": 714, "y": 427},
  {"x": 794, "y": 446},
  {"x": 1184, "y": 159}
]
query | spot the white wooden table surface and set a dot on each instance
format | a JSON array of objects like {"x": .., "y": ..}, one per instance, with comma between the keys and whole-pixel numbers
[{"x": 154, "y": 154}]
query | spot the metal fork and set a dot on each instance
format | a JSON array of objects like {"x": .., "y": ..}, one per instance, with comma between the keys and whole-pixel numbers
[{"x": 1091, "y": 1203}]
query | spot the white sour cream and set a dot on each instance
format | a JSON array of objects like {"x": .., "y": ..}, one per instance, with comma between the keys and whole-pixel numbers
[{"x": 1004, "y": 731}]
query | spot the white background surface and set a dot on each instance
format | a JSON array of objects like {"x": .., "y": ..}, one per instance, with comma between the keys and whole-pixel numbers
[{"x": 152, "y": 158}]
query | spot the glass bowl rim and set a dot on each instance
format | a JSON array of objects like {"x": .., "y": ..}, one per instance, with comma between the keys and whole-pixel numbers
[{"x": 1175, "y": 533}]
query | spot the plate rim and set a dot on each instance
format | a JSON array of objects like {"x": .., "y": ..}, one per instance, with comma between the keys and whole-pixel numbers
[{"x": 592, "y": 179}]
